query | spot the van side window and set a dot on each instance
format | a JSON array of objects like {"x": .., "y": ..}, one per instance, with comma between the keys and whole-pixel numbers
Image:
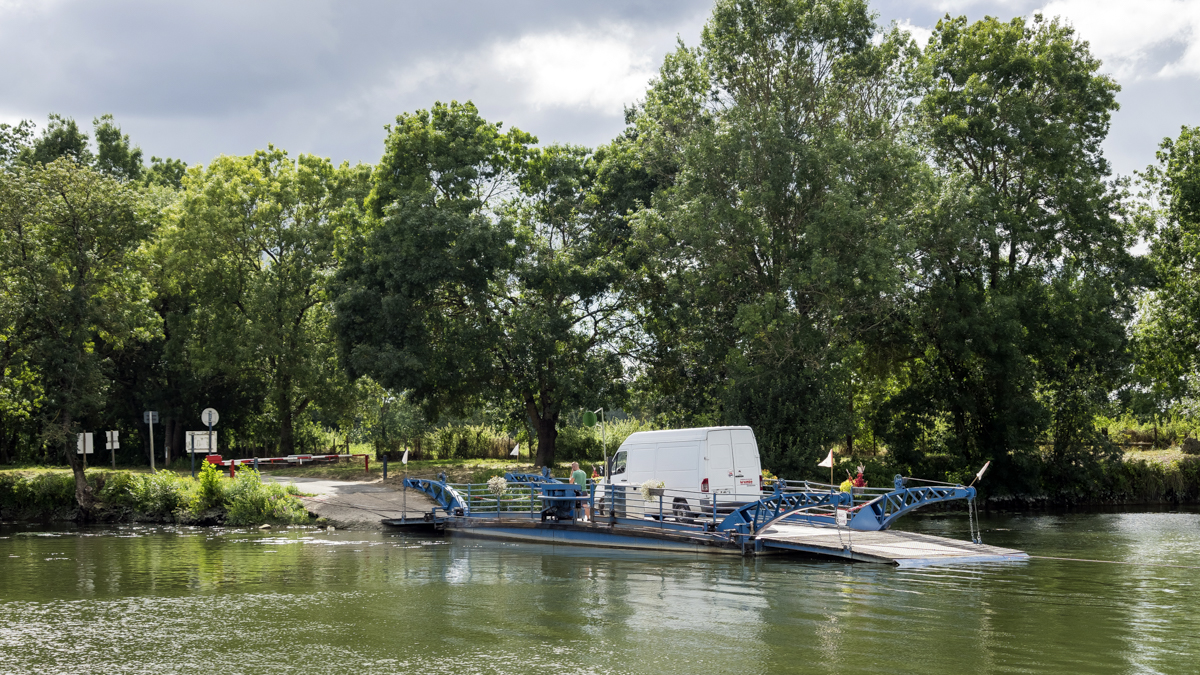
[{"x": 619, "y": 462}]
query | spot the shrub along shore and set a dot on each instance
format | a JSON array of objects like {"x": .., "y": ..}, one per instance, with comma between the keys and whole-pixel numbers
[{"x": 162, "y": 497}]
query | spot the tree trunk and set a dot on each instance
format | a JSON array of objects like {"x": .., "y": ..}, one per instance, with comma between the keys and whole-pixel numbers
[
  {"x": 177, "y": 438},
  {"x": 850, "y": 433},
  {"x": 83, "y": 491},
  {"x": 287, "y": 439},
  {"x": 547, "y": 434}
]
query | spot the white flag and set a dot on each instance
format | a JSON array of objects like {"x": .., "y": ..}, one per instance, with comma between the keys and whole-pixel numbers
[
  {"x": 828, "y": 461},
  {"x": 516, "y": 451},
  {"x": 985, "y": 468},
  {"x": 404, "y": 459}
]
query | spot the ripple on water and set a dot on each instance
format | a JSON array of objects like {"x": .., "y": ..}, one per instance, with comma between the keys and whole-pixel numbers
[{"x": 187, "y": 600}]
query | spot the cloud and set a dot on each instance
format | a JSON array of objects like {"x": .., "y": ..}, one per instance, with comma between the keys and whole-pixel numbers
[
  {"x": 919, "y": 33},
  {"x": 1158, "y": 38},
  {"x": 598, "y": 70},
  {"x": 602, "y": 70}
]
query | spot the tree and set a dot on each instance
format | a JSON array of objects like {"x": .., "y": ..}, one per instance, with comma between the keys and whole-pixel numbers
[
  {"x": 780, "y": 227},
  {"x": 61, "y": 138},
  {"x": 1023, "y": 282},
  {"x": 14, "y": 139},
  {"x": 1167, "y": 335},
  {"x": 491, "y": 273},
  {"x": 72, "y": 287},
  {"x": 252, "y": 244},
  {"x": 116, "y": 155}
]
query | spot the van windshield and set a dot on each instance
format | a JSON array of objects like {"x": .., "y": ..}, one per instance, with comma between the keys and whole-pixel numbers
[{"x": 618, "y": 465}]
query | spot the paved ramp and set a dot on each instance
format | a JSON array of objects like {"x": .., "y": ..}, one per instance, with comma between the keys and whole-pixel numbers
[
  {"x": 906, "y": 549},
  {"x": 359, "y": 504}
]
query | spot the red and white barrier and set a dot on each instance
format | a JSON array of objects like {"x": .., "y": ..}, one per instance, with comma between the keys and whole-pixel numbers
[{"x": 298, "y": 460}]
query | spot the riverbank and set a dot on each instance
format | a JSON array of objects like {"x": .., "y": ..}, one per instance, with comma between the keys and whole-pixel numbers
[
  {"x": 357, "y": 505},
  {"x": 1138, "y": 479},
  {"x": 136, "y": 495},
  {"x": 48, "y": 495}
]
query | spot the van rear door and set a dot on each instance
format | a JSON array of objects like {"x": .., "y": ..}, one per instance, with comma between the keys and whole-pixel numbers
[
  {"x": 720, "y": 468},
  {"x": 747, "y": 465}
]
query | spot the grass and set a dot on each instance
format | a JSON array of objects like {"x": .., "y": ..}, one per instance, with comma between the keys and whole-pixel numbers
[{"x": 43, "y": 493}]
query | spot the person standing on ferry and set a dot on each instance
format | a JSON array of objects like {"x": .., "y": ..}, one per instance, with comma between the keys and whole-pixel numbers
[{"x": 579, "y": 478}]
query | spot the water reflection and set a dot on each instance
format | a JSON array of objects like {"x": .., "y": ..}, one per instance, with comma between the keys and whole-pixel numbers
[{"x": 197, "y": 600}]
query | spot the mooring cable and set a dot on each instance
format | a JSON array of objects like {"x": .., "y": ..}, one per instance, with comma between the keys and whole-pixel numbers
[{"x": 1115, "y": 562}]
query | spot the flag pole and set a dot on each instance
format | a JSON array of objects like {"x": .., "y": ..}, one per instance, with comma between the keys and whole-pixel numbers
[{"x": 404, "y": 461}]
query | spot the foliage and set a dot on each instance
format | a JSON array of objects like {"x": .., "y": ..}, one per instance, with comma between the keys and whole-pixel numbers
[
  {"x": 210, "y": 493},
  {"x": 463, "y": 441},
  {"x": 497, "y": 485},
  {"x": 487, "y": 274},
  {"x": 71, "y": 287},
  {"x": 1022, "y": 283},
  {"x": 1167, "y": 334},
  {"x": 161, "y": 496},
  {"x": 250, "y": 501},
  {"x": 809, "y": 225},
  {"x": 252, "y": 242},
  {"x": 776, "y": 242},
  {"x": 649, "y": 485},
  {"x": 577, "y": 442},
  {"x": 36, "y": 494}
]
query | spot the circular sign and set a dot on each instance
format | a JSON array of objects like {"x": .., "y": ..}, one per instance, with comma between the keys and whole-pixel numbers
[
  {"x": 589, "y": 419},
  {"x": 210, "y": 417}
]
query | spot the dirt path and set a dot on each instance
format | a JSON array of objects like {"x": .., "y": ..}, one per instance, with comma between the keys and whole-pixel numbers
[{"x": 357, "y": 504}]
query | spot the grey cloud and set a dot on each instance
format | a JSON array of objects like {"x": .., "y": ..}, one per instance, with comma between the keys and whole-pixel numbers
[{"x": 194, "y": 80}]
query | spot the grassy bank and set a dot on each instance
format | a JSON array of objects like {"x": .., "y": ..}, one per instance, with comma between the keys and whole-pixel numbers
[{"x": 126, "y": 496}]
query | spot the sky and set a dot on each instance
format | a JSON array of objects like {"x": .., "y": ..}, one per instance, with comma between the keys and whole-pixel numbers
[{"x": 194, "y": 80}]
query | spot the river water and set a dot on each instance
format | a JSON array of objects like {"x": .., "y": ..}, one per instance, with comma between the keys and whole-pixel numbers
[{"x": 199, "y": 600}]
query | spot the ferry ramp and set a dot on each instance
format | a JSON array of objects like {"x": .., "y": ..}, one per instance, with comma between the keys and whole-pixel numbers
[{"x": 905, "y": 549}]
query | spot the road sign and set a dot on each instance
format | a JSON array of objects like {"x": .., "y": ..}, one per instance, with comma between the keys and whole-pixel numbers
[
  {"x": 84, "y": 444},
  {"x": 112, "y": 440},
  {"x": 197, "y": 441},
  {"x": 210, "y": 417},
  {"x": 589, "y": 419},
  {"x": 150, "y": 417}
]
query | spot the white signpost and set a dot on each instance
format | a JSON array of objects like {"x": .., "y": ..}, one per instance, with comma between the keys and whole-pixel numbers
[
  {"x": 112, "y": 442},
  {"x": 198, "y": 441},
  {"x": 83, "y": 446},
  {"x": 150, "y": 417}
]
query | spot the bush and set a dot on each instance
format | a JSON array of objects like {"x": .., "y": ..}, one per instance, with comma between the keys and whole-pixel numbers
[
  {"x": 251, "y": 501},
  {"x": 458, "y": 441},
  {"x": 162, "y": 494},
  {"x": 211, "y": 492},
  {"x": 37, "y": 495},
  {"x": 579, "y": 443}
]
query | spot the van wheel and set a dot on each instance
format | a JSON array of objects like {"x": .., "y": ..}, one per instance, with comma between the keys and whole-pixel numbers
[
  {"x": 600, "y": 506},
  {"x": 681, "y": 508}
]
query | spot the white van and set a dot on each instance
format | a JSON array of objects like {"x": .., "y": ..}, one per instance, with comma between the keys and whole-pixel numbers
[{"x": 694, "y": 464}]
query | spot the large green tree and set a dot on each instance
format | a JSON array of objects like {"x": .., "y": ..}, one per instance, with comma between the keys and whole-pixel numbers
[
  {"x": 777, "y": 233},
  {"x": 1023, "y": 282},
  {"x": 1168, "y": 330},
  {"x": 490, "y": 273},
  {"x": 252, "y": 246},
  {"x": 72, "y": 289}
]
